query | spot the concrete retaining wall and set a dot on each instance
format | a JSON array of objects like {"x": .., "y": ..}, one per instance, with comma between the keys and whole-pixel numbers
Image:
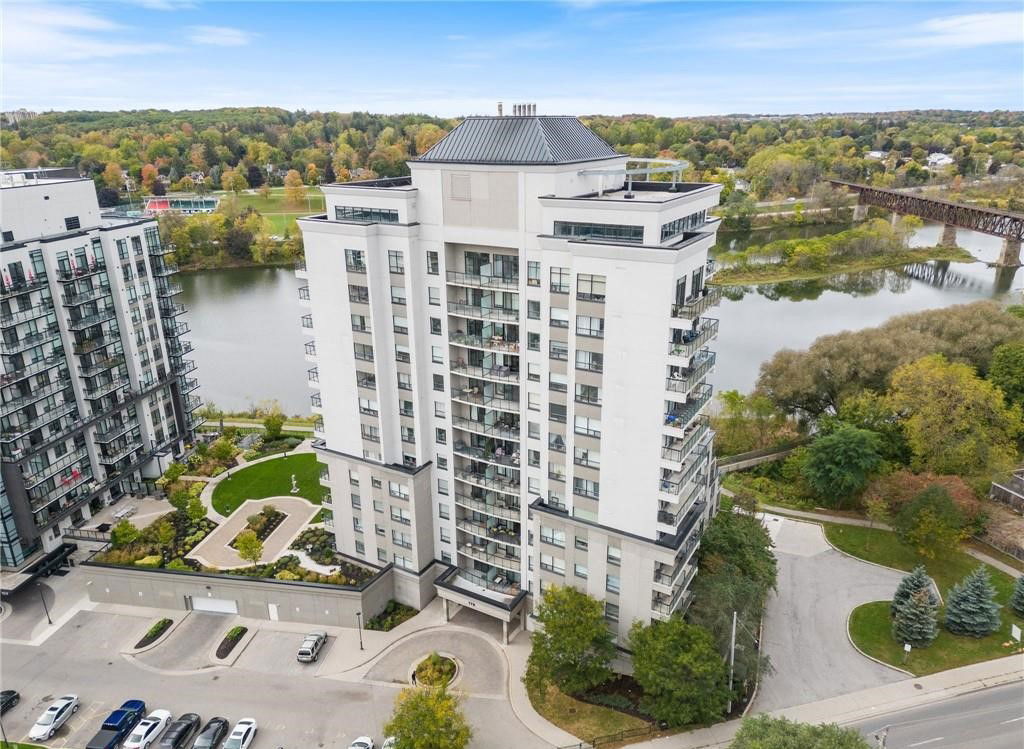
[{"x": 308, "y": 603}]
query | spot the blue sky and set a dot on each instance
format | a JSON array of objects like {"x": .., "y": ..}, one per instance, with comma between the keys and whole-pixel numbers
[{"x": 449, "y": 59}]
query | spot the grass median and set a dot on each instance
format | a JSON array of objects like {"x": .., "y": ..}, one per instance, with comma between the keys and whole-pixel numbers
[{"x": 271, "y": 478}]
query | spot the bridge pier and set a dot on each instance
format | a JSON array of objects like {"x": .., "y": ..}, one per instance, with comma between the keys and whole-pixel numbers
[
  {"x": 860, "y": 212},
  {"x": 894, "y": 219},
  {"x": 948, "y": 238},
  {"x": 1010, "y": 256}
]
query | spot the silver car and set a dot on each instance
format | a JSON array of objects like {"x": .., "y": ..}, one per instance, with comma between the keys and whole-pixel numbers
[
  {"x": 54, "y": 717},
  {"x": 310, "y": 648}
]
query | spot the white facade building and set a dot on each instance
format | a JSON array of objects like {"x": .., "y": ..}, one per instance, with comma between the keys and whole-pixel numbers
[
  {"x": 95, "y": 393},
  {"x": 510, "y": 352}
]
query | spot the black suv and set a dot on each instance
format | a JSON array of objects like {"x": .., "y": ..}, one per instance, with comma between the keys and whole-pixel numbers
[{"x": 180, "y": 731}]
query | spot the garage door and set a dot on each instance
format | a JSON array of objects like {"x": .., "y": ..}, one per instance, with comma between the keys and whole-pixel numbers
[{"x": 215, "y": 605}]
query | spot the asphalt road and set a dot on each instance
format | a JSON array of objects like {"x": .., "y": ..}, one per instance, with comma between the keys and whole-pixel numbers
[{"x": 987, "y": 719}]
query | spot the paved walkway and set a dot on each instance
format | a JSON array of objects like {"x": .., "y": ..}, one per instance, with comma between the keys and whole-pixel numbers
[
  {"x": 214, "y": 550},
  {"x": 805, "y": 619}
]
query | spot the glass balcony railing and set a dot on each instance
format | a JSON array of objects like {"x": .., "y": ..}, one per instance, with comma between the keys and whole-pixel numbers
[
  {"x": 685, "y": 378},
  {"x": 499, "y": 508},
  {"x": 680, "y": 416},
  {"x": 90, "y": 295},
  {"x": 504, "y": 429},
  {"x": 17, "y": 287},
  {"x": 463, "y": 309},
  {"x": 510, "y": 283},
  {"x": 24, "y": 315},
  {"x": 32, "y": 368},
  {"x": 491, "y": 343},
  {"x": 29, "y": 341},
  {"x": 82, "y": 323}
]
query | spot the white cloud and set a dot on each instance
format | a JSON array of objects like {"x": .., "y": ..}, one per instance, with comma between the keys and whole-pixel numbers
[
  {"x": 970, "y": 30},
  {"x": 219, "y": 36}
]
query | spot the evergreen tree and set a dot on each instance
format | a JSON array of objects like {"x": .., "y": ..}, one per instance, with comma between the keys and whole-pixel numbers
[
  {"x": 916, "y": 620},
  {"x": 1017, "y": 599},
  {"x": 917, "y": 580},
  {"x": 972, "y": 609}
]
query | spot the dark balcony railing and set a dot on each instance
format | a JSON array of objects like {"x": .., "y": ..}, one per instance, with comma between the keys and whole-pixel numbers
[
  {"x": 497, "y": 508},
  {"x": 90, "y": 295},
  {"x": 32, "y": 368},
  {"x": 684, "y": 379},
  {"x": 171, "y": 309},
  {"x": 95, "y": 343},
  {"x": 175, "y": 329},
  {"x": 479, "y": 453},
  {"x": 474, "y": 396},
  {"x": 29, "y": 341},
  {"x": 313, "y": 374},
  {"x": 501, "y": 373},
  {"x": 16, "y": 431},
  {"x": 39, "y": 392},
  {"x": 168, "y": 290},
  {"x": 82, "y": 271},
  {"x": 315, "y": 400},
  {"x": 24, "y": 315},
  {"x": 504, "y": 429},
  {"x": 189, "y": 384},
  {"x": 681, "y": 415},
  {"x": 691, "y": 342},
  {"x": 176, "y": 347},
  {"x": 36, "y": 476},
  {"x": 680, "y": 447},
  {"x": 698, "y": 305},
  {"x": 494, "y": 343},
  {"x": 21, "y": 286},
  {"x": 82, "y": 323},
  {"x": 304, "y": 293},
  {"x": 163, "y": 269},
  {"x": 114, "y": 431},
  {"x": 510, "y": 486},
  {"x": 106, "y": 388},
  {"x": 310, "y": 348},
  {"x": 115, "y": 453}
]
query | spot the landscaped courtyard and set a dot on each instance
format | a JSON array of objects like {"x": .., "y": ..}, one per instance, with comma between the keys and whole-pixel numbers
[{"x": 269, "y": 478}]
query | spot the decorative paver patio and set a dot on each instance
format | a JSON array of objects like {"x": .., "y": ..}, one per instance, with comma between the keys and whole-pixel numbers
[{"x": 215, "y": 551}]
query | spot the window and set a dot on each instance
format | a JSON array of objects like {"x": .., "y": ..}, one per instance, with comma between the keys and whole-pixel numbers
[
  {"x": 357, "y": 502},
  {"x": 370, "y": 432},
  {"x": 360, "y": 547},
  {"x": 581, "y": 544},
  {"x": 446, "y": 557},
  {"x": 588, "y": 426},
  {"x": 353, "y": 477},
  {"x": 533, "y": 341},
  {"x": 583, "y": 456},
  {"x": 442, "y": 463},
  {"x": 614, "y": 555},
  {"x": 405, "y": 408},
  {"x": 580, "y": 570},
  {"x": 401, "y": 515},
  {"x": 435, "y": 326},
  {"x": 404, "y": 562},
  {"x": 439, "y": 409},
  {"x": 437, "y": 354},
  {"x": 404, "y": 381},
  {"x": 357, "y": 524},
  {"x": 590, "y": 287},
  {"x": 382, "y": 555},
  {"x": 586, "y": 488},
  {"x": 445, "y": 535},
  {"x": 361, "y": 323},
  {"x": 588, "y": 393},
  {"x": 366, "y": 380},
  {"x": 395, "y": 262},
  {"x": 589, "y": 360},
  {"x": 559, "y": 317},
  {"x": 378, "y": 505},
  {"x": 611, "y": 611},
  {"x": 442, "y": 436},
  {"x": 558, "y": 350},
  {"x": 533, "y": 401},
  {"x": 552, "y": 564},
  {"x": 358, "y": 294},
  {"x": 552, "y": 536},
  {"x": 442, "y": 487},
  {"x": 558, "y": 382},
  {"x": 560, "y": 280},
  {"x": 8, "y": 236},
  {"x": 439, "y": 383},
  {"x": 533, "y": 273},
  {"x": 398, "y": 538},
  {"x": 590, "y": 326},
  {"x": 365, "y": 215},
  {"x": 533, "y": 309},
  {"x": 533, "y": 371},
  {"x": 533, "y": 429},
  {"x": 683, "y": 225},
  {"x": 72, "y": 222},
  {"x": 402, "y": 353},
  {"x": 400, "y": 323},
  {"x": 443, "y": 511},
  {"x": 533, "y": 485},
  {"x": 611, "y": 583},
  {"x": 533, "y": 458},
  {"x": 556, "y": 442},
  {"x": 433, "y": 267},
  {"x": 460, "y": 186},
  {"x": 398, "y": 295},
  {"x": 601, "y": 232},
  {"x": 434, "y": 296},
  {"x": 375, "y": 482},
  {"x": 557, "y": 412},
  {"x": 408, "y": 435},
  {"x": 363, "y": 351},
  {"x": 401, "y": 491},
  {"x": 355, "y": 260}
]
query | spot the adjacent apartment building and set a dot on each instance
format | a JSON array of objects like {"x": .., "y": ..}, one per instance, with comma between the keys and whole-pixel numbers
[
  {"x": 96, "y": 387},
  {"x": 510, "y": 351}
]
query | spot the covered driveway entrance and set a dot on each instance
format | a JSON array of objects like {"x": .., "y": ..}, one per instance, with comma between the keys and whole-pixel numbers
[{"x": 457, "y": 592}]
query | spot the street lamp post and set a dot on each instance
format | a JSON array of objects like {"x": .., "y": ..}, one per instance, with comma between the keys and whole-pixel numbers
[
  {"x": 359, "y": 627},
  {"x": 39, "y": 587}
]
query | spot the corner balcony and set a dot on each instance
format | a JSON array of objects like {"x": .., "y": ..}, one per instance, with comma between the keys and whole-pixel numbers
[
  {"x": 697, "y": 305},
  {"x": 500, "y": 531},
  {"x": 307, "y": 322},
  {"x": 481, "y": 480},
  {"x": 493, "y": 343},
  {"x": 300, "y": 269},
  {"x": 503, "y": 430},
  {"x": 38, "y": 393},
  {"x": 114, "y": 431},
  {"x": 112, "y": 455},
  {"x": 686, "y": 532},
  {"x": 176, "y": 347},
  {"x": 33, "y": 368},
  {"x": 16, "y": 431},
  {"x": 35, "y": 477},
  {"x": 304, "y": 293},
  {"x": 163, "y": 269},
  {"x": 680, "y": 416},
  {"x": 316, "y": 403},
  {"x": 475, "y": 312},
  {"x": 95, "y": 343},
  {"x": 313, "y": 376},
  {"x": 663, "y": 607},
  {"x": 91, "y": 295},
  {"x": 106, "y": 388},
  {"x": 669, "y": 579},
  {"x": 189, "y": 384},
  {"x": 474, "y": 281},
  {"x": 169, "y": 310},
  {"x": 672, "y": 512},
  {"x": 480, "y": 552},
  {"x": 480, "y": 454},
  {"x": 97, "y": 318},
  {"x": 193, "y": 403},
  {"x": 501, "y": 373},
  {"x": 688, "y": 343},
  {"x": 474, "y": 395},
  {"x": 73, "y": 274},
  {"x": 682, "y": 380},
  {"x": 182, "y": 366},
  {"x": 498, "y": 507},
  {"x": 167, "y": 290},
  {"x": 677, "y": 449},
  {"x": 175, "y": 329}
]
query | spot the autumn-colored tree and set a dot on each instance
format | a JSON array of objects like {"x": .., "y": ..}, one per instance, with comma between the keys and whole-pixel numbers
[
  {"x": 113, "y": 177},
  {"x": 899, "y": 487},
  {"x": 265, "y": 191},
  {"x": 234, "y": 181},
  {"x": 428, "y": 718},
  {"x": 427, "y": 135},
  {"x": 955, "y": 421},
  {"x": 294, "y": 190},
  {"x": 312, "y": 174},
  {"x": 249, "y": 547}
]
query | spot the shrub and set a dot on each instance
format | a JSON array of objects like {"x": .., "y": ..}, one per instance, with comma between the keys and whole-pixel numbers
[
  {"x": 217, "y": 471},
  {"x": 393, "y": 614},
  {"x": 157, "y": 629},
  {"x": 153, "y": 560},
  {"x": 177, "y": 564},
  {"x": 930, "y": 523},
  {"x": 435, "y": 670},
  {"x": 286, "y": 575},
  {"x": 235, "y": 632}
]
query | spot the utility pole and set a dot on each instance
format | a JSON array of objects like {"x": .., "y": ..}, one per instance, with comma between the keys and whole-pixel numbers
[{"x": 732, "y": 659}]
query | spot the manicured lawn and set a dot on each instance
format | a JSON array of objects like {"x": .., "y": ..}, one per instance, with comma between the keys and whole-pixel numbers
[
  {"x": 870, "y": 623},
  {"x": 583, "y": 719},
  {"x": 276, "y": 203},
  {"x": 269, "y": 479}
]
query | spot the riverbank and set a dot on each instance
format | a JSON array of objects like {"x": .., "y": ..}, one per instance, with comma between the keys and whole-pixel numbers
[
  {"x": 776, "y": 272},
  {"x": 234, "y": 264}
]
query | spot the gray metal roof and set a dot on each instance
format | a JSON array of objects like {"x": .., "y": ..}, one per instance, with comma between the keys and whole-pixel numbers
[{"x": 519, "y": 140}]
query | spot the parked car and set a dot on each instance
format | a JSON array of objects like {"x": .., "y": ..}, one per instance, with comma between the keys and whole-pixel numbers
[
  {"x": 242, "y": 734},
  {"x": 54, "y": 717},
  {"x": 309, "y": 650},
  {"x": 148, "y": 730},
  {"x": 8, "y": 699},
  {"x": 363, "y": 742},
  {"x": 180, "y": 731},
  {"x": 118, "y": 725},
  {"x": 389, "y": 743},
  {"x": 212, "y": 734}
]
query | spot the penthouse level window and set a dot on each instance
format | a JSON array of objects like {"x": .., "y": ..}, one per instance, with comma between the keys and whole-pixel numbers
[
  {"x": 366, "y": 215},
  {"x": 602, "y": 232}
]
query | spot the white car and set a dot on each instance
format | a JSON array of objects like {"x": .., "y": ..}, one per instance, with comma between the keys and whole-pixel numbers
[
  {"x": 148, "y": 730},
  {"x": 54, "y": 717},
  {"x": 241, "y": 735},
  {"x": 363, "y": 742},
  {"x": 389, "y": 743}
]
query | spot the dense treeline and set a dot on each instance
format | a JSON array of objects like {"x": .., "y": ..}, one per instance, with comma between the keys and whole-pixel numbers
[{"x": 780, "y": 156}]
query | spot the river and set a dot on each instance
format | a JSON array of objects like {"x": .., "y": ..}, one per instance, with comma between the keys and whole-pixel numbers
[{"x": 248, "y": 342}]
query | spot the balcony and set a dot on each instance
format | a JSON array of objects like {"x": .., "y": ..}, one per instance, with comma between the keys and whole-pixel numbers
[
  {"x": 164, "y": 269},
  {"x": 672, "y": 577},
  {"x": 114, "y": 431},
  {"x": 680, "y": 416},
  {"x": 483, "y": 313},
  {"x": 498, "y": 508},
  {"x": 685, "y": 496},
  {"x": 686, "y": 532},
  {"x": 169, "y": 310},
  {"x": 113, "y": 455},
  {"x": 678, "y": 448},
  {"x": 90, "y": 295},
  {"x": 684, "y": 379},
  {"x": 691, "y": 341},
  {"x": 678, "y": 604},
  {"x": 300, "y": 268},
  {"x": 355, "y": 267},
  {"x": 33, "y": 368},
  {"x": 315, "y": 401},
  {"x": 38, "y": 393},
  {"x": 73, "y": 274},
  {"x": 193, "y": 403},
  {"x": 95, "y": 343},
  {"x": 501, "y": 373},
  {"x": 179, "y": 348},
  {"x": 22, "y": 286},
  {"x": 100, "y": 366},
  {"x": 175, "y": 329},
  {"x": 24, "y": 315},
  {"x": 504, "y": 430},
  {"x": 313, "y": 374},
  {"x": 508, "y": 283},
  {"x": 68, "y": 485},
  {"x": 157, "y": 248},
  {"x": 106, "y": 388},
  {"x": 97, "y": 318},
  {"x": 696, "y": 306},
  {"x": 478, "y": 453},
  {"x": 167, "y": 290},
  {"x": 493, "y": 343},
  {"x": 189, "y": 384},
  {"x": 483, "y": 481},
  {"x": 479, "y": 552},
  {"x": 38, "y": 475},
  {"x": 318, "y": 427},
  {"x": 29, "y": 341},
  {"x": 16, "y": 431},
  {"x": 500, "y": 532},
  {"x": 474, "y": 396},
  {"x": 182, "y": 366}
]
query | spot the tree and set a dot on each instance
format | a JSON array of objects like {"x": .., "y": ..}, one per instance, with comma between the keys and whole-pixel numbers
[
  {"x": 123, "y": 533},
  {"x": 329, "y": 176},
  {"x": 930, "y": 523},
  {"x": 233, "y": 181},
  {"x": 113, "y": 177},
  {"x": 165, "y": 532},
  {"x": 955, "y": 422},
  {"x": 179, "y": 499},
  {"x": 916, "y": 620},
  {"x": 428, "y": 718},
  {"x": 249, "y": 547},
  {"x": 148, "y": 176},
  {"x": 749, "y": 422},
  {"x": 1007, "y": 371},
  {"x": 767, "y": 732},
  {"x": 254, "y": 176},
  {"x": 222, "y": 449},
  {"x": 573, "y": 647},
  {"x": 294, "y": 190},
  {"x": 839, "y": 464},
  {"x": 195, "y": 510},
  {"x": 971, "y": 608},
  {"x": 158, "y": 188},
  {"x": 108, "y": 197},
  {"x": 738, "y": 210},
  {"x": 272, "y": 424},
  {"x": 877, "y": 511},
  {"x": 683, "y": 677},
  {"x": 1017, "y": 599},
  {"x": 265, "y": 191},
  {"x": 911, "y": 584}
]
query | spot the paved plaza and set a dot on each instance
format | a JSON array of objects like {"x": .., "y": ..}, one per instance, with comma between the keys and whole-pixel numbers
[{"x": 215, "y": 549}]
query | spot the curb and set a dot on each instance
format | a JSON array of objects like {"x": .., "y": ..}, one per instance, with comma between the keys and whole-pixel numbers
[
  {"x": 236, "y": 652},
  {"x": 849, "y": 639},
  {"x": 158, "y": 641}
]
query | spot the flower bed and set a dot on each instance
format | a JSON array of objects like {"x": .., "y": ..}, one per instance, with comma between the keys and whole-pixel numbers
[
  {"x": 154, "y": 633},
  {"x": 164, "y": 542},
  {"x": 289, "y": 568},
  {"x": 232, "y": 638},
  {"x": 262, "y": 523},
  {"x": 393, "y": 614},
  {"x": 435, "y": 670},
  {"x": 319, "y": 544}
]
